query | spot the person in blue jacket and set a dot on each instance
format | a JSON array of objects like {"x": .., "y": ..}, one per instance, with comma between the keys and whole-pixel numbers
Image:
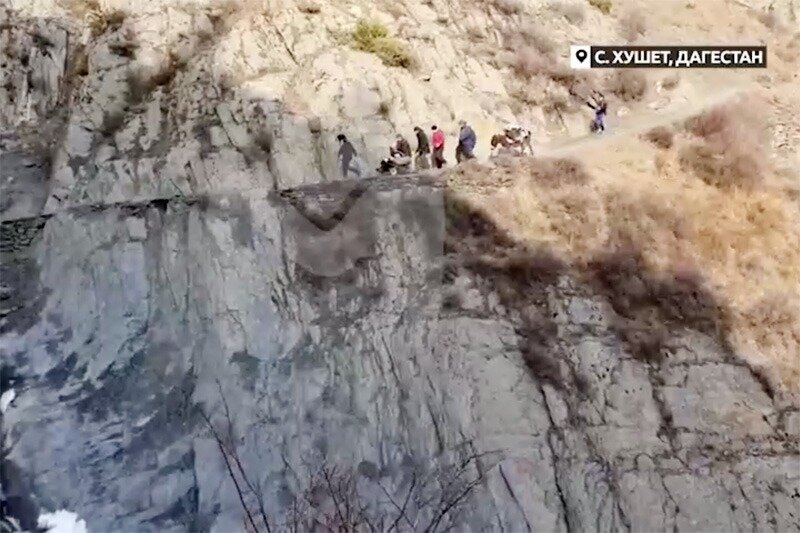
[{"x": 466, "y": 142}]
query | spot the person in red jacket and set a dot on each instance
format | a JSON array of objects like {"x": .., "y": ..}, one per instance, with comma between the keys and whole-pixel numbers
[{"x": 437, "y": 141}]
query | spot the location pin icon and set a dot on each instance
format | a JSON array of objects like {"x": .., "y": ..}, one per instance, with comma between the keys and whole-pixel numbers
[{"x": 581, "y": 55}]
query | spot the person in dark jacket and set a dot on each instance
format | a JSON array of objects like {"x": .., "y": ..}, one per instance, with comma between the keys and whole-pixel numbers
[
  {"x": 598, "y": 103},
  {"x": 466, "y": 142},
  {"x": 400, "y": 153},
  {"x": 346, "y": 155},
  {"x": 423, "y": 150},
  {"x": 437, "y": 141}
]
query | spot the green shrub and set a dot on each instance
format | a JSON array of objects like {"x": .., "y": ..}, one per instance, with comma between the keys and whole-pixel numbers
[
  {"x": 373, "y": 37},
  {"x": 603, "y": 5}
]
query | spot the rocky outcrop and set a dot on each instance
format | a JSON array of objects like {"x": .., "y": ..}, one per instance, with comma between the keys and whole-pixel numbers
[
  {"x": 151, "y": 316},
  {"x": 194, "y": 347}
]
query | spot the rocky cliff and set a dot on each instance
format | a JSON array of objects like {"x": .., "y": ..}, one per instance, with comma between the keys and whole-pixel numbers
[{"x": 204, "y": 332}]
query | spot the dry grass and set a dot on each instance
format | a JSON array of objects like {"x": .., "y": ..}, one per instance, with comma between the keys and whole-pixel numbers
[
  {"x": 97, "y": 17},
  {"x": 661, "y": 137},
  {"x": 507, "y": 7},
  {"x": 728, "y": 154},
  {"x": 529, "y": 63},
  {"x": 628, "y": 85},
  {"x": 475, "y": 33},
  {"x": 537, "y": 37},
  {"x": 574, "y": 12},
  {"x": 604, "y": 6},
  {"x": 665, "y": 251},
  {"x": 671, "y": 81},
  {"x": 632, "y": 25},
  {"x": 373, "y": 37}
]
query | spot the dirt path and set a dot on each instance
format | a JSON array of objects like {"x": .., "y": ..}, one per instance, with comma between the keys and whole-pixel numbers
[{"x": 637, "y": 123}]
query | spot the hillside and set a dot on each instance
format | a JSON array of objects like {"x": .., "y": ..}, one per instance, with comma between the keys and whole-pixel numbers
[{"x": 203, "y": 328}]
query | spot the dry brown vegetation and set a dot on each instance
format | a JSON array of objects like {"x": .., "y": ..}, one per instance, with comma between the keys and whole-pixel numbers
[
  {"x": 728, "y": 152},
  {"x": 661, "y": 137},
  {"x": 671, "y": 80},
  {"x": 628, "y": 85},
  {"x": 720, "y": 255},
  {"x": 507, "y": 7},
  {"x": 99, "y": 18},
  {"x": 604, "y": 6}
]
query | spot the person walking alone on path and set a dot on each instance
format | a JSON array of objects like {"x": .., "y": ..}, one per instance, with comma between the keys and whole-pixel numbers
[
  {"x": 598, "y": 103},
  {"x": 466, "y": 142},
  {"x": 346, "y": 155},
  {"x": 437, "y": 141},
  {"x": 421, "y": 162}
]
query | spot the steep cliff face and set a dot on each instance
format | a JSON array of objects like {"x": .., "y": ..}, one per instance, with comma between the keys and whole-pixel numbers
[
  {"x": 147, "y": 317},
  {"x": 193, "y": 347}
]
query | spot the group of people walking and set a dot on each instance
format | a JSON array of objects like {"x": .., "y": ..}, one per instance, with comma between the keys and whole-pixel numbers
[{"x": 429, "y": 152}]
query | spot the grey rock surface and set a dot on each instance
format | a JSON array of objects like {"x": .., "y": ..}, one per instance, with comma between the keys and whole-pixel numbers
[{"x": 155, "y": 289}]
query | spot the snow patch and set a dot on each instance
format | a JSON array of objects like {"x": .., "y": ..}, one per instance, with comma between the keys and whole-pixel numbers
[
  {"x": 62, "y": 521},
  {"x": 6, "y": 398}
]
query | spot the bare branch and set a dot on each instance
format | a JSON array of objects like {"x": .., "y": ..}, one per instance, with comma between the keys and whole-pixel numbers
[
  {"x": 402, "y": 510},
  {"x": 235, "y": 454},
  {"x": 221, "y": 446}
]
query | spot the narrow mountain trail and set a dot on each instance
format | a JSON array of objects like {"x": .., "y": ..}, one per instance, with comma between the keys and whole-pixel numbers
[{"x": 637, "y": 123}]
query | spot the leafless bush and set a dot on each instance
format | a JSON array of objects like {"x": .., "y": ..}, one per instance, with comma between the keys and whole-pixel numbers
[
  {"x": 574, "y": 12},
  {"x": 309, "y": 7},
  {"x": 475, "y": 33},
  {"x": 671, "y": 81},
  {"x": 632, "y": 25},
  {"x": 507, "y": 7},
  {"x": 328, "y": 497},
  {"x": 769, "y": 19},
  {"x": 734, "y": 166},
  {"x": 731, "y": 153},
  {"x": 628, "y": 85},
  {"x": 537, "y": 37},
  {"x": 661, "y": 137},
  {"x": 528, "y": 63},
  {"x": 557, "y": 172},
  {"x": 384, "y": 108}
]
